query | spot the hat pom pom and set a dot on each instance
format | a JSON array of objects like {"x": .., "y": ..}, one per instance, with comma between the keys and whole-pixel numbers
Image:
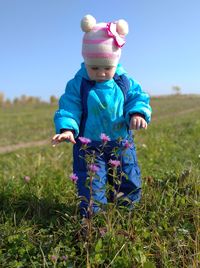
[
  {"x": 122, "y": 27},
  {"x": 87, "y": 23}
]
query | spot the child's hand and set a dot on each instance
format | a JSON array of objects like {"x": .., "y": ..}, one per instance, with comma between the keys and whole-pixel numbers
[
  {"x": 67, "y": 135},
  {"x": 137, "y": 122}
]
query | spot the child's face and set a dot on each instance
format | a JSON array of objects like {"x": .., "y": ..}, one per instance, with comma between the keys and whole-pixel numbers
[{"x": 100, "y": 73}]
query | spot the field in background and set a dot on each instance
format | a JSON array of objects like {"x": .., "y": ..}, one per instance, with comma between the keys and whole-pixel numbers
[
  {"x": 26, "y": 123},
  {"x": 39, "y": 223}
]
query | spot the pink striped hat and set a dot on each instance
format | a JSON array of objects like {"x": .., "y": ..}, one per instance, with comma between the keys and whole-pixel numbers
[{"x": 102, "y": 42}]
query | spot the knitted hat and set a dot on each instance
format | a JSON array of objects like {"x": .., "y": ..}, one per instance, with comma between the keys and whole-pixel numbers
[{"x": 102, "y": 42}]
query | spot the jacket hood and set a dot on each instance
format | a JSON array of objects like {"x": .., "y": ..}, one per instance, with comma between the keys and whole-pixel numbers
[{"x": 83, "y": 72}]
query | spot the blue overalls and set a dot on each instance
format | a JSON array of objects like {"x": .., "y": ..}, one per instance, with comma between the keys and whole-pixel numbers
[{"x": 130, "y": 182}]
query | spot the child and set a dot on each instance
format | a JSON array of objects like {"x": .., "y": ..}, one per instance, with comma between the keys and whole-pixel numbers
[{"x": 102, "y": 103}]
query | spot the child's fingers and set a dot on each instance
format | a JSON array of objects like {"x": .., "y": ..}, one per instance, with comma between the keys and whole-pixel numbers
[
  {"x": 72, "y": 140},
  {"x": 62, "y": 137},
  {"x": 141, "y": 124},
  {"x": 138, "y": 123},
  {"x": 144, "y": 124},
  {"x": 56, "y": 139},
  {"x": 69, "y": 137}
]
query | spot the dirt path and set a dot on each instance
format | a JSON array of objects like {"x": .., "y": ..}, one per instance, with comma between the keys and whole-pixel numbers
[
  {"x": 177, "y": 113},
  {"x": 14, "y": 147},
  {"x": 11, "y": 148}
]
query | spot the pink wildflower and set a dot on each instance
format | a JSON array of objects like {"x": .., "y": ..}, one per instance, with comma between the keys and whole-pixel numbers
[
  {"x": 94, "y": 168},
  {"x": 53, "y": 258},
  {"x": 127, "y": 144},
  {"x": 64, "y": 258},
  {"x": 114, "y": 163},
  {"x": 84, "y": 140},
  {"x": 27, "y": 179},
  {"x": 104, "y": 137},
  {"x": 73, "y": 177},
  {"x": 102, "y": 231}
]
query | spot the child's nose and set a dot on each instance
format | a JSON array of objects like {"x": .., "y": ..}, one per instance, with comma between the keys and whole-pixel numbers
[{"x": 101, "y": 73}]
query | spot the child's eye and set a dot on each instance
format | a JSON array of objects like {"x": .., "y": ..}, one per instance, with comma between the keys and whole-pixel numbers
[
  {"x": 108, "y": 68},
  {"x": 94, "y": 68}
]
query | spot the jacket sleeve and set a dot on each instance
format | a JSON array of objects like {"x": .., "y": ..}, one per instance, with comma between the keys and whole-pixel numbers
[
  {"x": 68, "y": 115},
  {"x": 137, "y": 102}
]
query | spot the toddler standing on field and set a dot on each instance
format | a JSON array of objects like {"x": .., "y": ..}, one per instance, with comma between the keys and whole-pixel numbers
[{"x": 102, "y": 104}]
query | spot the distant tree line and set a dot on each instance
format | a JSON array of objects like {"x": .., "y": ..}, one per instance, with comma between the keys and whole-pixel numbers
[{"x": 23, "y": 99}]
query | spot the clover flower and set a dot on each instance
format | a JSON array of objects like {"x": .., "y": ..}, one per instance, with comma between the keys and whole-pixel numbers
[
  {"x": 64, "y": 258},
  {"x": 27, "y": 179},
  {"x": 53, "y": 258},
  {"x": 114, "y": 163},
  {"x": 73, "y": 177},
  {"x": 84, "y": 140},
  {"x": 127, "y": 144},
  {"x": 102, "y": 231},
  {"x": 104, "y": 138},
  {"x": 93, "y": 168}
]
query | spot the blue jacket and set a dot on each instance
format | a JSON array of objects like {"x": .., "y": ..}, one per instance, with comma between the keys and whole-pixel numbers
[{"x": 106, "y": 110}]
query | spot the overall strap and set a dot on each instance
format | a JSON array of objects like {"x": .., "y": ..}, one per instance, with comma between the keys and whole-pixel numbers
[
  {"x": 123, "y": 83},
  {"x": 86, "y": 86}
]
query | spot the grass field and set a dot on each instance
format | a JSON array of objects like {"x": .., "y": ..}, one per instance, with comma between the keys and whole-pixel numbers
[{"x": 39, "y": 222}]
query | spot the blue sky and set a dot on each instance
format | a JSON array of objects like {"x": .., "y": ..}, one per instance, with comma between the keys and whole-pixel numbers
[{"x": 40, "y": 43}]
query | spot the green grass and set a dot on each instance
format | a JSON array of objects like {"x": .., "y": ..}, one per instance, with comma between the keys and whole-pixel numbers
[
  {"x": 39, "y": 222},
  {"x": 28, "y": 123}
]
